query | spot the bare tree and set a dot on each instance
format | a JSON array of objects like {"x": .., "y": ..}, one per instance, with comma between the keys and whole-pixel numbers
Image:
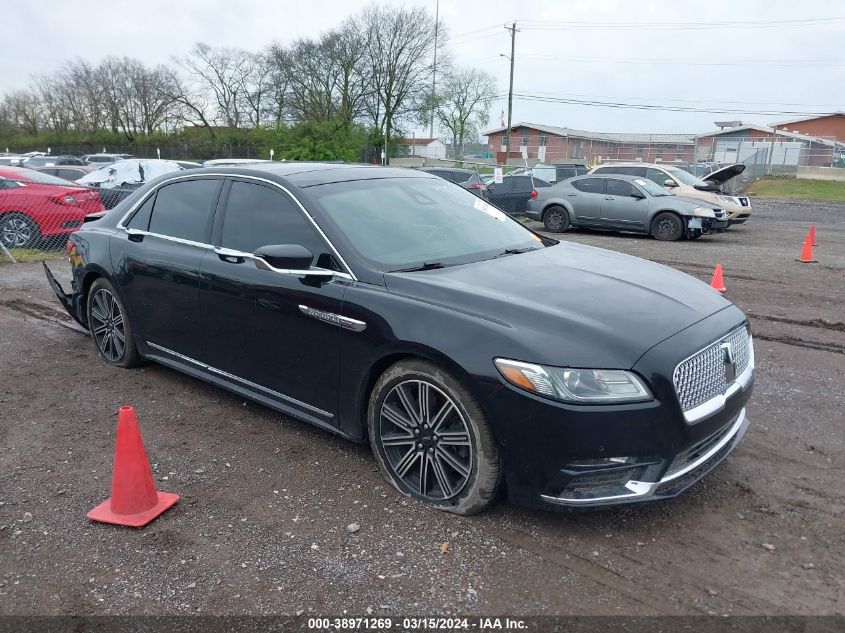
[
  {"x": 462, "y": 104},
  {"x": 400, "y": 46},
  {"x": 24, "y": 109},
  {"x": 220, "y": 72}
]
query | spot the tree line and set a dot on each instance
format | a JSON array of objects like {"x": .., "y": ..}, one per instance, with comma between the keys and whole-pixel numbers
[{"x": 366, "y": 80}]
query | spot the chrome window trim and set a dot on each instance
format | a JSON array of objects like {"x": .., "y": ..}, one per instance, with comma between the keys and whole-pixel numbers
[
  {"x": 120, "y": 224},
  {"x": 644, "y": 489},
  {"x": 264, "y": 265},
  {"x": 718, "y": 402},
  {"x": 249, "y": 383}
]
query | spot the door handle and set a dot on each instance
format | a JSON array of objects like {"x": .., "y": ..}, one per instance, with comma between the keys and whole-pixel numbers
[
  {"x": 572, "y": 195},
  {"x": 230, "y": 256}
]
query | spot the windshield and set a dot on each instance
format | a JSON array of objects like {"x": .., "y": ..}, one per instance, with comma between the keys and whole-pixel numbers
[
  {"x": 684, "y": 176},
  {"x": 652, "y": 188},
  {"x": 30, "y": 175},
  {"x": 401, "y": 223}
]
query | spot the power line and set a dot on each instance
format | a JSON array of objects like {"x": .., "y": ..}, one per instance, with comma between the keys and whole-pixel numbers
[
  {"x": 699, "y": 101},
  {"x": 756, "y": 63},
  {"x": 662, "y": 108},
  {"x": 548, "y": 25}
]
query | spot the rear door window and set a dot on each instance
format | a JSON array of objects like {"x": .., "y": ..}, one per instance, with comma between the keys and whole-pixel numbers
[
  {"x": 141, "y": 219},
  {"x": 590, "y": 185},
  {"x": 184, "y": 209}
]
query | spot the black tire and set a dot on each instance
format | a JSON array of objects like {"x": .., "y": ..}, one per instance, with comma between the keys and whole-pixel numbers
[
  {"x": 667, "y": 227},
  {"x": 19, "y": 231},
  {"x": 556, "y": 219},
  {"x": 456, "y": 469},
  {"x": 109, "y": 326}
]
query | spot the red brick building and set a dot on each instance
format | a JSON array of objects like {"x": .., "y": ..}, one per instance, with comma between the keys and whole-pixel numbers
[
  {"x": 830, "y": 125},
  {"x": 551, "y": 144}
]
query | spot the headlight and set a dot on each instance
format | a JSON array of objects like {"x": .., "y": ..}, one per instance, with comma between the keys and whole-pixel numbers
[
  {"x": 701, "y": 212},
  {"x": 587, "y": 386}
]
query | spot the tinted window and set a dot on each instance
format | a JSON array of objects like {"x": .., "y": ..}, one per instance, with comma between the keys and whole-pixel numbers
[
  {"x": 141, "y": 219},
  {"x": 590, "y": 185},
  {"x": 655, "y": 175},
  {"x": 69, "y": 174},
  {"x": 184, "y": 209},
  {"x": 259, "y": 216},
  {"x": 626, "y": 171},
  {"x": 516, "y": 184},
  {"x": 619, "y": 187}
]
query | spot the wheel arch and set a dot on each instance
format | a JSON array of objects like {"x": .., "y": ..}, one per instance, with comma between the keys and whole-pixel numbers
[
  {"x": 393, "y": 356},
  {"x": 557, "y": 203}
]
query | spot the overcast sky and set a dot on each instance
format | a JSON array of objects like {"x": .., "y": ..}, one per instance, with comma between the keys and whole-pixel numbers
[{"x": 768, "y": 68}]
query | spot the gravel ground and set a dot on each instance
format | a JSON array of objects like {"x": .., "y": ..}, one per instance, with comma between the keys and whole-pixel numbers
[{"x": 262, "y": 526}]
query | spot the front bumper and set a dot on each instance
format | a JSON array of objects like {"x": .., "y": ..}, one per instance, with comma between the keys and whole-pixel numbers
[{"x": 686, "y": 469}]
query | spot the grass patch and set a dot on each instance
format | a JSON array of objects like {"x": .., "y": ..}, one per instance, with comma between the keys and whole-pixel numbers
[
  {"x": 795, "y": 189},
  {"x": 29, "y": 255}
]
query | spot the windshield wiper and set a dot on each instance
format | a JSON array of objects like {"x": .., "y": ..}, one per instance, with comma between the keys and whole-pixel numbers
[
  {"x": 514, "y": 251},
  {"x": 425, "y": 266}
]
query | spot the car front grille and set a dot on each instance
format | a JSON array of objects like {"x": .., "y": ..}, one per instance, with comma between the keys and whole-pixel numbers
[
  {"x": 720, "y": 214},
  {"x": 702, "y": 376}
]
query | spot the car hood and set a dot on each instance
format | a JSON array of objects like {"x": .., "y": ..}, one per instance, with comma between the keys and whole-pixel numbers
[
  {"x": 568, "y": 304},
  {"x": 724, "y": 174}
]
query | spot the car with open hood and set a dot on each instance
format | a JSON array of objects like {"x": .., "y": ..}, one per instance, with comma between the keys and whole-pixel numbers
[
  {"x": 395, "y": 308},
  {"x": 683, "y": 183}
]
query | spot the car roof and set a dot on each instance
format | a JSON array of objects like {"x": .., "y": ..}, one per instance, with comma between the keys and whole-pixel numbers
[
  {"x": 306, "y": 174},
  {"x": 655, "y": 165}
]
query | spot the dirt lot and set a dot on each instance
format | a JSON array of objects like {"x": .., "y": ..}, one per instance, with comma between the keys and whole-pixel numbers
[{"x": 266, "y": 501}]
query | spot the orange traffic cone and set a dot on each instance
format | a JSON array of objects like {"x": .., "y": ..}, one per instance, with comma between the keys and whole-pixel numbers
[
  {"x": 807, "y": 251},
  {"x": 134, "y": 500},
  {"x": 717, "y": 283},
  {"x": 813, "y": 234}
]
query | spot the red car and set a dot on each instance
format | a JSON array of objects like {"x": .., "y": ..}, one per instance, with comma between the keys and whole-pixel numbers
[{"x": 36, "y": 206}]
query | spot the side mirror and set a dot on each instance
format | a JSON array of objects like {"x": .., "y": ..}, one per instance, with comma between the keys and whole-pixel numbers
[
  {"x": 285, "y": 256},
  {"x": 669, "y": 183},
  {"x": 638, "y": 195}
]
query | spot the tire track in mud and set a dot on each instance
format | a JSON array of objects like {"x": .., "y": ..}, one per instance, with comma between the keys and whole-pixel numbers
[
  {"x": 836, "y": 326},
  {"x": 834, "y": 348},
  {"x": 663, "y": 583},
  {"x": 42, "y": 313}
]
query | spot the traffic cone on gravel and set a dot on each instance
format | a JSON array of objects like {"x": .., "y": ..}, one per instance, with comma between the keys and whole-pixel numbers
[
  {"x": 813, "y": 234},
  {"x": 718, "y": 283},
  {"x": 134, "y": 500},
  {"x": 807, "y": 251}
]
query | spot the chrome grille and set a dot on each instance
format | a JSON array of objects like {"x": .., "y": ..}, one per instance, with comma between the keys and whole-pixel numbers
[{"x": 702, "y": 376}]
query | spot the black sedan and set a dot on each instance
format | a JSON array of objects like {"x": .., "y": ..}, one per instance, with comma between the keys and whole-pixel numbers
[
  {"x": 514, "y": 192},
  {"x": 392, "y": 307}
]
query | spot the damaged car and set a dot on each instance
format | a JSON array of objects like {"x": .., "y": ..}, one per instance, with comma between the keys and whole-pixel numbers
[
  {"x": 624, "y": 203},
  {"x": 397, "y": 309}
]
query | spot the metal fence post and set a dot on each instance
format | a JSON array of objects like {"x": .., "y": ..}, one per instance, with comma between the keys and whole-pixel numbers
[{"x": 6, "y": 252}]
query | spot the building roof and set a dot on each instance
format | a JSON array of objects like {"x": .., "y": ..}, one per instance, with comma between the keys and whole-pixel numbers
[
  {"x": 419, "y": 141},
  {"x": 810, "y": 118},
  {"x": 609, "y": 137},
  {"x": 762, "y": 128}
]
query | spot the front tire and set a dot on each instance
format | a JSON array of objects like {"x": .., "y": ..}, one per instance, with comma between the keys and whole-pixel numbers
[
  {"x": 667, "y": 227},
  {"x": 431, "y": 439},
  {"x": 556, "y": 219},
  {"x": 109, "y": 326}
]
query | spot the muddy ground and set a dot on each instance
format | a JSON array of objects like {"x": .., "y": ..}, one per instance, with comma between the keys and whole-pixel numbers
[{"x": 262, "y": 524}]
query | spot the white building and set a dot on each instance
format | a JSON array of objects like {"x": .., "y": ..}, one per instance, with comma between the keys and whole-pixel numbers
[{"x": 424, "y": 147}]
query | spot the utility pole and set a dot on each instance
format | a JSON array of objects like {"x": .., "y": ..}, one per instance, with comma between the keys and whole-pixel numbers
[
  {"x": 434, "y": 68},
  {"x": 513, "y": 31}
]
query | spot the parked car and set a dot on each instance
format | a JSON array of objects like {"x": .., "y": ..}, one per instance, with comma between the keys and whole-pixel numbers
[
  {"x": 104, "y": 158},
  {"x": 513, "y": 193},
  {"x": 624, "y": 203},
  {"x": 50, "y": 161},
  {"x": 116, "y": 181},
  {"x": 67, "y": 172},
  {"x": 683, "y": 183},
  {"x": 555, "y": 172},
  {"x": 391, "y": 307},
  {"x": 11, "y": 160},
  {"x": 36, "y": 206},
  {"x": 232, "y": 162},
  {"x": 466, "y": 178}
]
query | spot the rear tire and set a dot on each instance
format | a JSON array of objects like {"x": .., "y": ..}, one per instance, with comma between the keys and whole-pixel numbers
[
  {"x": 556, "y": 219},
  {"x": 109, "y": 326},
  {"x": 667, "y": 227},
  {"x": 442, "y": 452},
  {"x": 19, "y": 231}
]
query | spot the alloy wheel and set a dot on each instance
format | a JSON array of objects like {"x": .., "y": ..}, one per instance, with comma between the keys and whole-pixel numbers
[
  {"x": 426, "y": 440},
  {"x": 16, "y": 233},
  {"x": 107, "y": 325}
]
